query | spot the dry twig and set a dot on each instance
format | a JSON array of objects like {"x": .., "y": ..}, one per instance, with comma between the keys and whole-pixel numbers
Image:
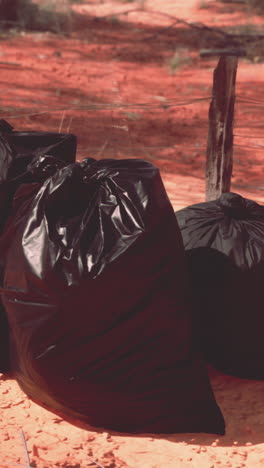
[{"x": 25, "y": 449}]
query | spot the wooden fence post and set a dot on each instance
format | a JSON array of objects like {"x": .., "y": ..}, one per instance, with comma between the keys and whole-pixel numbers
[{"x": 219, "y": 161}]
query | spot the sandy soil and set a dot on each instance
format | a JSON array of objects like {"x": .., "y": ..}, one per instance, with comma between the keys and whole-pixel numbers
[{"x": 129, "y": 86}]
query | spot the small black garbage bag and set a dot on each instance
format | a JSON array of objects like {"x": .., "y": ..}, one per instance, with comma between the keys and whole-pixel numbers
[
  {"x": 95, "y": 293},
  {"x": 29, "y": 144},
  {"x": 18, "y": 150},
  {"x": 224, "y": 242}
]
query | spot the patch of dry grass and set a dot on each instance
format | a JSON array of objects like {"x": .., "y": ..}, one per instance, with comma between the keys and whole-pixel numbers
[{"x": 41, "y": 15}]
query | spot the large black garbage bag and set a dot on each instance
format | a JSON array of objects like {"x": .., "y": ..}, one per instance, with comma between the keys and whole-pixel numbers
[
  {"x": 224, "y": 242},
  {"x": 95, "y": 293}
]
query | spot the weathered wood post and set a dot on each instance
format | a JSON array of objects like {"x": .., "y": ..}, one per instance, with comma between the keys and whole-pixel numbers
[{"x": 219, "y": 161}]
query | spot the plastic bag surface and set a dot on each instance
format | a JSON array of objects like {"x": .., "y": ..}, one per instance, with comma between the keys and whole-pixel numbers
[
  {"x": 17, "y": 151},
  {"x": 95, "y": 293},
  {"x": 6, "y": 158},
  {"x": 29, "y": 144},
  {"x": 224, "y": 242}
]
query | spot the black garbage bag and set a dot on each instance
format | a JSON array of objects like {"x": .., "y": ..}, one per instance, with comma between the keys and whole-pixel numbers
[
  {"x": 95, "y": 293},
  {"x": 224, "y": 242},
  {"x": 17, "y": 150}
]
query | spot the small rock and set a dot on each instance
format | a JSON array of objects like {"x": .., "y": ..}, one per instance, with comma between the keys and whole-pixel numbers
[
  {"x": 5, "y": 405},
  {"x": 18, "y": 402},
  {"x": 35, "y": 451},
  {"x": 248, "y": 444},
  {"x": 6, "y": 437},
  {"x": 108, "y": 454},
  {"x": 77, "y": 447},
  {"x": 215, "y": 443},
  {"x": 57, "y": 420}
]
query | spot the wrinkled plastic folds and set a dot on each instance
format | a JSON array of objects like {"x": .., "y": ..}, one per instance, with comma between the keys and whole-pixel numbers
[
  {"x": 95, "y": 293},
  {"x": 17, "y": 151},
  {"x": 224, "y": 242}
]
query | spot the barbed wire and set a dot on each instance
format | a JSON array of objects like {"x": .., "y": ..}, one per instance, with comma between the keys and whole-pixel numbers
[
  {"x": 241, "y": 98},
  {"x": 143, "y": 147},
  {"x": 101, "y": 106},
  {"x": 104, "y": 106},
  {"x": 257, "y": 147},
  {"x": 229, "y": 37},
  {"x": 153, "y": 148},
  {"x": 248, "y": 136},
  {"x": 144, "y": 106},
  {"x": 253, "y": 187}
]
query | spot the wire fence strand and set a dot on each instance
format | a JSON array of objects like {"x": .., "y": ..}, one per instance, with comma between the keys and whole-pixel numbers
[
  {"x": 163, "y": 105},
  {"x": 104, "y": 106}
]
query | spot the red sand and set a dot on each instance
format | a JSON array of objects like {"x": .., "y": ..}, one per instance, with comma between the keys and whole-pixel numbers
[{"x": 110, "y": 68}]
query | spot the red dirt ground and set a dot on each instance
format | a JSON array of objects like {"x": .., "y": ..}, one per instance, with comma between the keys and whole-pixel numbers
[{"x": 129, "y": 87}]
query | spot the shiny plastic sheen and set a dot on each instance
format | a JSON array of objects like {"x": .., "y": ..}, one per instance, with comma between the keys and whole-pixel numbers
[
  {"x": 95, "y": 293},
  {"x": 224, "y": 242},
  {"x": 17, "y": 151}
]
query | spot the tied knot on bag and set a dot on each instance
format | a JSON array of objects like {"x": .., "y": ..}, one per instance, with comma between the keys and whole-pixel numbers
[
  {"x": 233, "y": 205},
  {"x": 43, "y": 167},
  {"x": 95, "y": 176}
]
